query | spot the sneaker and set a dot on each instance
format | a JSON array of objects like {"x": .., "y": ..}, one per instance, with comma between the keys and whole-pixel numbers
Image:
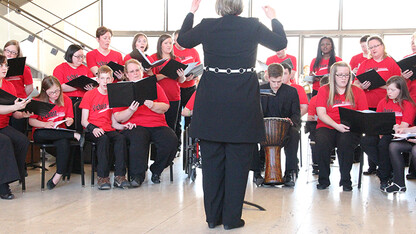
[
  {"x": 258, "y": 179},
  {"x": 121, "y": 182},
  {"x": 136, "y": 182},
  {"x": 395, "y": 188},
  {"x": 155, "y": 178},
  {"x": 104, "y": 183}
]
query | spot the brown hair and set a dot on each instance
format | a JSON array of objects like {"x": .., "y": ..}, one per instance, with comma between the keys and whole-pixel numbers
[
  {"x": 159, "y": 52},
  {"x": 101, "y": 31},
  {"x": 104, "y": 69},
  {"x": 379, "y": 39},
  {"x": 275, "y": 70},
  {"x": 349, "y": 95},
  {"x": 15, "y": 43},
  {"x": 136, "y": 37},
  {"x": 47, "y": 83},
  {"x": 404, "y": 94}
]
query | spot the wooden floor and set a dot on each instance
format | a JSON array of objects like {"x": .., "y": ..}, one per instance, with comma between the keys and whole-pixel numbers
[{"x": 177, "y": 207}]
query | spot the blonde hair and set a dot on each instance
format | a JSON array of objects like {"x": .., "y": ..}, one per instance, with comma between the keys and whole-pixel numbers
[
  {"x": 229, "y": 7},
  {"x": 104, "y": 69},
  {"x": 379, "y": 39},
  {"x": 349, "y": 95}
]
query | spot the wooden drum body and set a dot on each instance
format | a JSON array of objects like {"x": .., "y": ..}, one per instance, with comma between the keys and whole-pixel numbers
[{"x": 276, "y": 131}]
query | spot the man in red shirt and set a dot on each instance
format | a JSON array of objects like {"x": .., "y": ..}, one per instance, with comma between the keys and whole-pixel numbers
[
  {"x": 303, "y": 98},
  {"x": 282, "y": 56},
  {"x": 356, "y": 60}
]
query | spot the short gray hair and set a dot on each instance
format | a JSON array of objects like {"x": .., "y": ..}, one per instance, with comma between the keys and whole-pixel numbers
[{"x": 229, "y": 7}]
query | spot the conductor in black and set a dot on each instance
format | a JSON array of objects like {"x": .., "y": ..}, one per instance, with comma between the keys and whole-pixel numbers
[{"x": 227, "y": 115}]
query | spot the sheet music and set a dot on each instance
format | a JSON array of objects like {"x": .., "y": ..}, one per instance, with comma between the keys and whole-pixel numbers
[{"x": 56, "y": 124}]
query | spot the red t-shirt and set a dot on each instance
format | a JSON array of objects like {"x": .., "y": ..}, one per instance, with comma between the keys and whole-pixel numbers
[
  {"x": 100, "y": 112},
  {"x": 356, "y": 60},
  {"x": 57, "y": 113},
  {"x": 187, "y": 56},
  {"x": 65, "y": 73},
  {"x": 386, "y": 69},
  {"x": 8, "y": 87},
  {"x": 323, "y": 69},
  {"x": 144, "y": 116},
  {"x": 191, "y": 102},
  {"x": 411, "y": 84},
  {"x": 128, "y": 57},
  {"x": 303, "y": 98},
  {"x": 19, "y": 82},
  {"x": 170, "y": 86},
  {"x": 407, "y": 114},
  {"x": 275, "y": 59},
  {"x": 95, "y": 58},
  {"x": 312, "y": 106},
  {"x": 339, "y": 101}
]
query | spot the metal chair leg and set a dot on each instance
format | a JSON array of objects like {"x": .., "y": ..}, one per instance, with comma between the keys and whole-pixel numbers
[
  {"x": 82, "y": 167},
  {"x": 43, "y": 169}
]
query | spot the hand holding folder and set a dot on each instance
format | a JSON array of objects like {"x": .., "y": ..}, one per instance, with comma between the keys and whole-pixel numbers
[
  {"x": 116, "y": 68},
  {"x": 34, "y": 106},
  {"x": 81, "y": 82},
  {"x": 171, "y": 68},
  {"x": 373, "y": 77},
  {"x": 408, "y": 63}
]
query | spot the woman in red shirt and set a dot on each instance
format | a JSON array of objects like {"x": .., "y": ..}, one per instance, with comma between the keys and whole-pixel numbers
[
  {"x": 398, "y": 100},
  {"x": 13, "y": 144},
  {"x": 151, "y": 125},
  {"x": 46, "y": 128},
  {"x": 140, "y": 42},
  {"x": 170, "y": 86},
  {"x": 323, "y": 61},
  {"x": 330, "y": 132}
]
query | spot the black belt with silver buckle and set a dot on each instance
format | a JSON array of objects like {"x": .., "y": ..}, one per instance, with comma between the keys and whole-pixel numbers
[{"x": 229, "y": 70}]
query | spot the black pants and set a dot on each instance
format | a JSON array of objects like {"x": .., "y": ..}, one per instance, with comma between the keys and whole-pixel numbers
[
  {"x": 378, "y": 151},
  {"x": 13, "y": 149},
  {"x": 326, "y": 140},
  {"x": 291, "y": 153},
  {"x": 172, "y": 114},
  {"x": 165, "y": 142},
  {"x": 103, "y": 152},
  {"x": 186, "y": 94},
  {"x": 311, "y": 128},
  {"x": 397, "y": 160},
  {"x": 19, "y": 124},
  {"x": 61, "y": 140},
  {"x": 225, "y": 168}
]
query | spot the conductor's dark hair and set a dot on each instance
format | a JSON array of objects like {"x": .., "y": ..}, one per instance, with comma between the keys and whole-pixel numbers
[
  {"x": 319, "y": 55},
  {"x": 159, "y": 53},
  {"x": 72, "y": 49},
  {"x": 364, "y": 38},
  {"x": 404, "y": 94},
  {"x": 3, "y": 59},
  {"x": 101, "y": 31},
  {"x": 275, "y": 70},
  {"x": 287, "y": 66}
]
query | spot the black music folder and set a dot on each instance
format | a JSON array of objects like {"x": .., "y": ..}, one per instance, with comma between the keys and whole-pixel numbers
[
  {"x": 81, "y": 81},
  {"x": 115, "y": 67},
  {"x": 408, "y": 63},
  {"x": 16, "y": 66},
  {"x": 142, "y": 58},
  {"x": 288, "y": 62},
  {"x": 171, "y": 67},
  {"x": 368, "y": 122},
  {"x": 372, "y": 76},
  {"x": 122, "y": 94},
  {"x": 34, "y": 106}
]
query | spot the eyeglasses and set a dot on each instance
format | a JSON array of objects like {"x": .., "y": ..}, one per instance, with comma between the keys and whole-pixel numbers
[
  {"x": 4, "y": 65},
  {"x": 373, "y": 47},
  {"x": 343, "y": 75},
  {"x": 79, "y": 56},
  {"x": 53, "y": 92},
  {"x": 134, "y": 71},
  {"x": 11, "y": 52}
]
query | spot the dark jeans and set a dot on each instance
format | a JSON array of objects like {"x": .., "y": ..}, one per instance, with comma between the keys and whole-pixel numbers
[
  {"x": 165, "y": 142},
  {"x": 378, "y": 151},
  {"x": 225, "y": 170},
  {"x": 103, "y": 152},
  {"x": 326, "y": 140},
  {"x": 397, "y": 160},
  {"x": 61, "y": 140}
]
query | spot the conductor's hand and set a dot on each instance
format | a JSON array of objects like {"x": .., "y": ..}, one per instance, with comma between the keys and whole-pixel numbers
[
  {"x": 149, "y": 103},
  {"x": 342, "y": 128},
  {"x": 270, "y": 12},
  {"x": 407, "y": 74},
  {"x": 195, "y": 6},
  {"x": 133, "y": 106},
  {"x": 365, "y": 84},
  {"x": 97, "y": 132},
  {"x": 20, "y": 104}
]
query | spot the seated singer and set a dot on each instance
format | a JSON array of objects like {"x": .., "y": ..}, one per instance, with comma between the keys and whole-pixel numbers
[
  {"x": 151, "y": 125},
  {"x": 284, "y": 105}
]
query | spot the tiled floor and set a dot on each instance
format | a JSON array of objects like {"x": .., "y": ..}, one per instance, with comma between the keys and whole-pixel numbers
[{"x": 177, "y": 207}]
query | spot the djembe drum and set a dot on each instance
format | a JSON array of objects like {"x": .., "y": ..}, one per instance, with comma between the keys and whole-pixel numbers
[{"x": 276, "y": 131}]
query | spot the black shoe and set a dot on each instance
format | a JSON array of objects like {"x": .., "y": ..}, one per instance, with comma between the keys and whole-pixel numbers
[
  {"x": 411, "y": 176},
  {"x": 395, "y": 188},
  {"x": 289, "y": 180},
  {"x": 315, "y": 172},
  {"x": 321, "y": 186},
  {"x": 370, "y": 171},
  {"x": 136, "y": 182},
  {"x": 383, "y": 185},
  {"x": 212, "y": 225},
  {"x": 237, "y": 225},
  {"x": 155, "y": 178},
  {"x": 347, "y": 188},
  {"x": 258, "y": 179},
  {"x": 7, "y": 196},
  {"x": 50, "y": 185}
]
